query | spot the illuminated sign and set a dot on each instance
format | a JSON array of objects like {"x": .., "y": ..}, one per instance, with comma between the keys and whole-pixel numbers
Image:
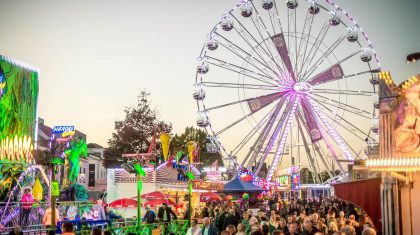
[
  {"x": 199, "y": 184},
  {"x": 16, "y": 149},
  {"x": 295, "y": 181},
  {"x": 64, "y": 131},
  {"x": 214, "y": 175}
]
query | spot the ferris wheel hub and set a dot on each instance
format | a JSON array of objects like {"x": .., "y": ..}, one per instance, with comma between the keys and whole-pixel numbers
[{"x": 302, "y": 87}]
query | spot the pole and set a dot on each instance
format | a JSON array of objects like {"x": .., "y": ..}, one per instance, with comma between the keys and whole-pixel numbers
[
  {"x": 138, "y": 201},
  {"x": 190, "y": 195},
  {"x": 52, "y": 199}
]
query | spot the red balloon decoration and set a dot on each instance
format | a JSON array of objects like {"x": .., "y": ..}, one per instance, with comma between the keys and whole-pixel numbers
[{"x": 245, "y": 177}]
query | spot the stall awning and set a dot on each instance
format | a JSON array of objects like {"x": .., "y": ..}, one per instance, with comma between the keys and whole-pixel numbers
[
  {"x": 237, "y": 185},
  {"x": 365, "y": 194}
]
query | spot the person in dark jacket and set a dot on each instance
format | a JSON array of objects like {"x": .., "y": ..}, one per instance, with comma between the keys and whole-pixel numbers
[
  {"x": 231, "y": 219},
  {"x": 208, "y": 228},
  {"x": 165, "y": 212},
  {"x": 220, "y": 220},
  {"x": 150, "y": 216}
]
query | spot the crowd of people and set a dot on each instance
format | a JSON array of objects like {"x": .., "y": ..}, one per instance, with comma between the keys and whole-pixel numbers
[{"x": 324, "y": 216}]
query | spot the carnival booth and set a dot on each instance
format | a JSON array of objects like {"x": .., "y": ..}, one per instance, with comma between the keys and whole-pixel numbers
[{"x": 241, "y": 189}]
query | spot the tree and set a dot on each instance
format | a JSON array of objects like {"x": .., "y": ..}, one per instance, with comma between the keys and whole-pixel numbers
[
  {"x": 135, "y": 132},
  {"x": 178, "y": 143}
]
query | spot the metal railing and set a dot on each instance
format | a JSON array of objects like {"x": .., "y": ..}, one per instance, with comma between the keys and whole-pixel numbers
[{"x": 177, "y": 227}]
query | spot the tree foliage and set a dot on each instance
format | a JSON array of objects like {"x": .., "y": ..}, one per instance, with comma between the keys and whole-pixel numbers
[
  {"x": 135, "y": 132},
  {"x": 178, "y": 142}
]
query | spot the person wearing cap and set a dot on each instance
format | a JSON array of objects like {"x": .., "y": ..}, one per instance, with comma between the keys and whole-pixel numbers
[{"x": 150, "y": 216}]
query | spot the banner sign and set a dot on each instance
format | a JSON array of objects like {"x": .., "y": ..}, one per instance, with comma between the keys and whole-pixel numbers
[
  {"x": 281, "y": 47},
  {"x": 199, "y": 184},
  {"x": 258, "y": 103},
  {"x": 333, "y": 73},
  {"x": 18, "y": 110}
]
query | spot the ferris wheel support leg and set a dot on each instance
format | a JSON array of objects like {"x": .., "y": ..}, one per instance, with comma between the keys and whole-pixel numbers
[{"x": 308, "y": 151}]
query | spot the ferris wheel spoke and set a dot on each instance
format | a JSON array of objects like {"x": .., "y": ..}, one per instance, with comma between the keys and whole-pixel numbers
[
  {"x": 270, "y": 97},
  {"x": 314, "y": 47},
  {"x": 323, "y": 57},
  {"x": 247, "y": 61},
  {"x": 265, "y": 29},
  {"x": 335, "y": 70},
  {"x": 302, "y": 39},
  {"x": 343, "y": 92},
  {"x": 332, "y": 78},
  {"x": 318, "y": 148},
  {"x": 248, "y": 55},
  {"x": 345, "y": 143},
  {"x": 262, "y": 138},
  {"x": 246, "y": 32},
  {"x": 280, "y": 149},
  {"x": 343, "y": 106},
  {"x": 279, "y": 127},
  {"x": 253, "y": 48},
  {"x": 331, "y": 131},
  {"x": 307, "y": 35},
  {"x": 366, "y": 135},
  {"x": 262, "y": 103},
  {"x": 243, "y": 86},
  {"x": 253, "y": 131},
  {"x": 240, "y": 70}
]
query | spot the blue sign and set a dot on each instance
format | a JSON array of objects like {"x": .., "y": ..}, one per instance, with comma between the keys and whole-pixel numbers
[{"x": 62, "y": 129}]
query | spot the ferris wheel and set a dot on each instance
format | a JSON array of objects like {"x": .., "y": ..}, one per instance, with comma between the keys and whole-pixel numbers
[{"x": 288, "y": 83}]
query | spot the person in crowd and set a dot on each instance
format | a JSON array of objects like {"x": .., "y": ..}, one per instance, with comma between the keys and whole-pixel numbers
[
  {"x": 96, "y": 231},
  {"x": 283, "y": 226},
  {"x": 274, "y": 223},
  {"x": 47, "y": 219},
  {"x": 225, "y": 233},
  {"x": 308, "y": 228},
  {"x": 98, "y": 211},
  {"x": 165, "y": 212},
  {"x": 341, "y": 221},
  {"x": 67, "y": 228},
  {"x": 27, "y": 201},
  {"x": 265, "y": 229},
  {"x": 293, "y": 228},
  {"x": 246, "y": 222},
  {"x": 112, "y": 214},
  {"x": 231, "y": 228},
  {"x": 208, "y": 228},
  {"x": 205, "y": 212},
  {"x": 277, "y": 232},
  {"x": 17, "y": 230},
  {"x": 255, "y": 228},
  {"x": 241, "y": 229},
  {"x": 194, "y": 229},
  {"x": 368, "y": 231},
  {"x": 258, "y": 232},
  {"x": 150, "y": 216},
  {"x": 231, "y": 219},
  {"x": 220, "y": 223},
  {"x": 264, "y": 221},
  {"x": 332, "y": 227}
]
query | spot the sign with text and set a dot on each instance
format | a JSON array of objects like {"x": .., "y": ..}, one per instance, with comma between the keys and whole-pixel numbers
[
  {"x": 55, "y": 189},
  {"x": 199, "y": 184}
]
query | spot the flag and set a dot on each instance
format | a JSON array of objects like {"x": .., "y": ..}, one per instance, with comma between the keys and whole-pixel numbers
[
  {"x": 196, "y": 153},
  {"x": 152, "y": 146}
]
